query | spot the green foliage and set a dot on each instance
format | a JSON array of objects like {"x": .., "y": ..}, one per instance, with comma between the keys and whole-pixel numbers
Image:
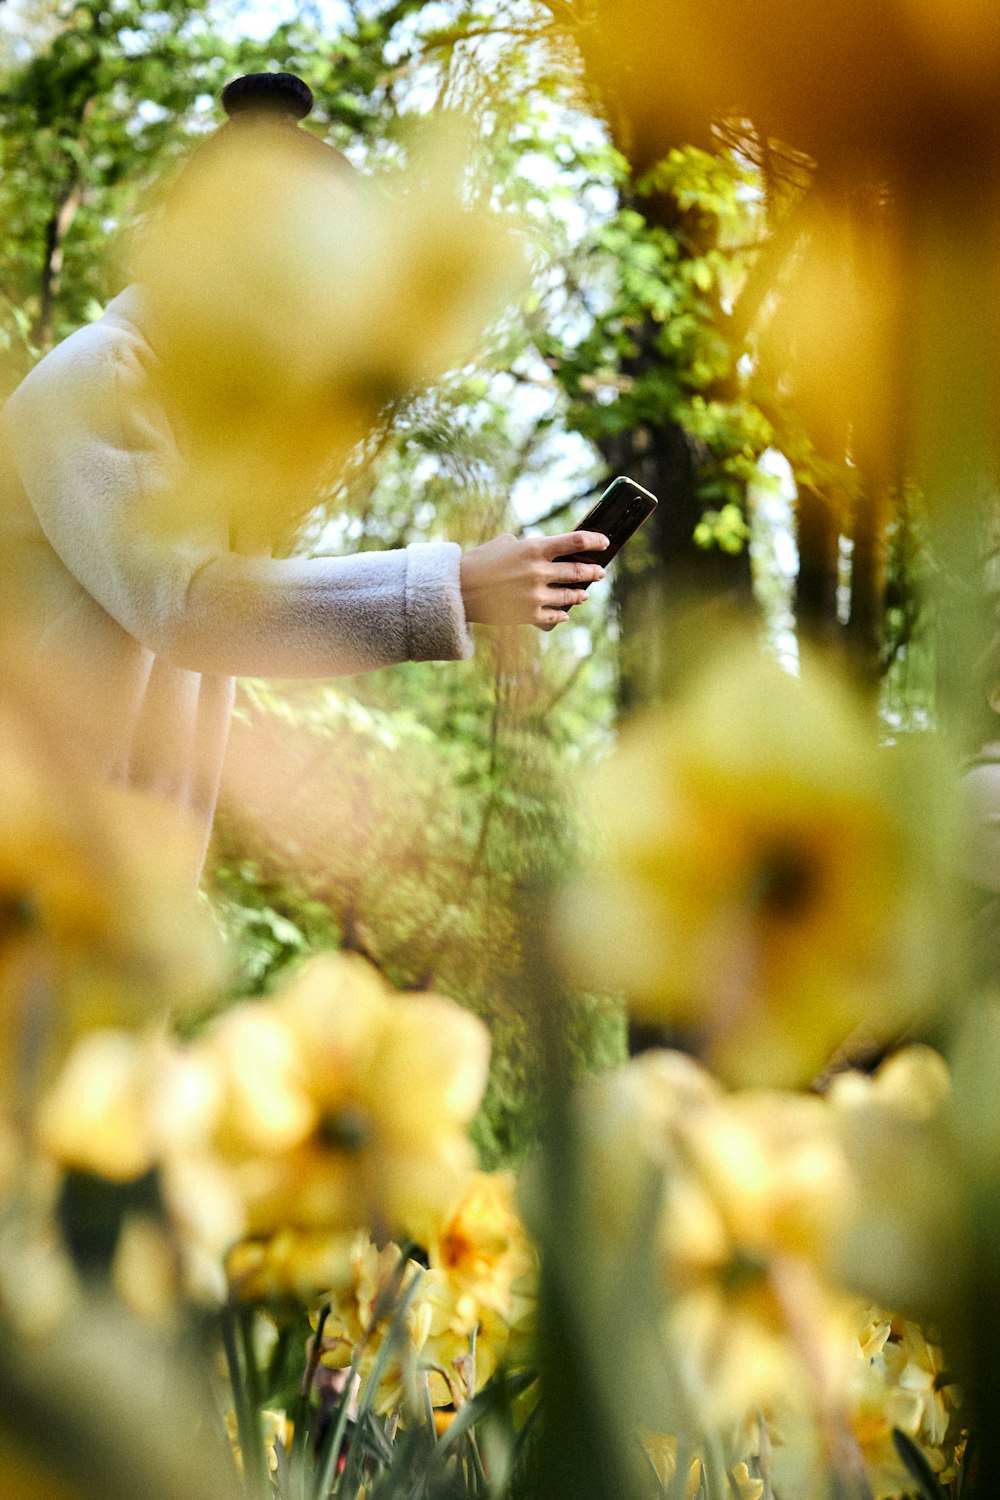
[
  {"x": 408, "y": 820},
  {"x": 909, "y": 661},
  {"x": 104, "y": 108},
  {"x": 453, "y": 778},
  {"x": 658, "y": 277}
]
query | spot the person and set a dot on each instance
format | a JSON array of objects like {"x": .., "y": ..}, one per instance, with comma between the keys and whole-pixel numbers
[{"x": 150, "y": 630}]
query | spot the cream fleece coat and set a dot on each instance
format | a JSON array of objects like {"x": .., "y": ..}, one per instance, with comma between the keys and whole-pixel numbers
[{"x": 153, "y": 632}]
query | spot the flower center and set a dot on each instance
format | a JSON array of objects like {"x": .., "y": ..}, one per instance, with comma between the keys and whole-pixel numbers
[
  {"x": 18, "y": 912},
  {"x": 347, "y": 1129},
  {"x": 742, "y": 1272},
  {"x": 786, "y": 883}
]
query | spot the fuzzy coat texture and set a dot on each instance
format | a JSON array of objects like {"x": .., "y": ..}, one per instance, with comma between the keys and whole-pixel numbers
[{"x": 151, "y": 632}]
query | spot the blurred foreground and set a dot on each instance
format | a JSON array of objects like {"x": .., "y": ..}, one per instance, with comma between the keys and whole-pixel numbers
[{"x": 246, "y": 1246}]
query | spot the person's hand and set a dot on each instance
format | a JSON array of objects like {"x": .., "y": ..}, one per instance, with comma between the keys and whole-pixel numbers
[{"x": 508, "y": 581}]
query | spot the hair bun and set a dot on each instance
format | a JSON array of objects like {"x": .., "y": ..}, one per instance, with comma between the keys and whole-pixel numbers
[{"x": 276, "y": 94}]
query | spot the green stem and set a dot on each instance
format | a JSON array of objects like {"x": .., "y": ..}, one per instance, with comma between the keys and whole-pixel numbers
[
  {"x": 330, "y": 1451},
  {"x": 248, "y": 1425},
  {"x": 301, "y": 1412}
]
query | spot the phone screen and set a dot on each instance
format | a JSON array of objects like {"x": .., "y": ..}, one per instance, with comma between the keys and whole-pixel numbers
[{"x": 619, "y": 512}]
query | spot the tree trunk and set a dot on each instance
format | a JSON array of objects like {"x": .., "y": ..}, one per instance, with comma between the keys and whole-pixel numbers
[
  {"x": 654, "y": 591},
  {"x": 819, "y": 530},
  {"x": 864, "y": 628},
  {"x": 55, "y": 239}
]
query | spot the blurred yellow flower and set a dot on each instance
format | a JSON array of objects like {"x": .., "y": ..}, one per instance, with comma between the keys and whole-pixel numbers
[
  {"x": 99, "y": 922},
  {"x": 146, "y": 1272},
  {"x": 342, "y": 1103},
  {"x": 276, "y": 1431},
  {"x": 752, "y": 1199},
  {"x": 914, "y": 1082},
  {"x": 291, "y": 299},
  {"x": 121, "y": 1104},
  {"x": 29, "y": 1477},
  {"x": 661, "y": 1450},
  {"x": 293, "y": 1265},
  {"x": 763, "y": 877},
  {"x": 899, "y": 82},
  {"x": 903, "y": 1243},
  {"x": 56, "y": 872}
]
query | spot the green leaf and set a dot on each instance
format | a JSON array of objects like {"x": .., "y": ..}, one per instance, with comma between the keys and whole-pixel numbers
[{"x": 916, "y": 1463}]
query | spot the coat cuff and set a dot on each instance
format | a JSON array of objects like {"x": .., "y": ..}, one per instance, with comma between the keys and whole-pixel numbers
[{"x": 435, "y": 616}]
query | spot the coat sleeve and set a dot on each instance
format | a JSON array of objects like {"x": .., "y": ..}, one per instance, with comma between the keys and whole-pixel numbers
[{"x": 94, "y": 453}]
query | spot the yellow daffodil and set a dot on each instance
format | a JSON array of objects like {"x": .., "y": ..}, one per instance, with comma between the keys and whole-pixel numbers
[
  {"x": 446, "y": 1335},
  {"x": 900, "y": 1383},
  {"x": 293, "y": 1265},
  {"x": 761, "y": 877},
  {"x": 95, "y": 888},
  {"x": 661, "y": 1450},
  {"x": 837, "y": 80},
  {"x": 902, "y": 1243},
  {"x": 752, "y": 1196},
  {"x": 466, "y": 1340},
  {"x": 914, "y": 1083},
  {"x": 343, "y": 1103},
  {"x": 290, "y": 300},
  {"x": 122, "y": 1103},
  {"x": 276, "y": 1431},
  {"x": 482, "y": 1245},
  {"x": 364, "y": 1309}
]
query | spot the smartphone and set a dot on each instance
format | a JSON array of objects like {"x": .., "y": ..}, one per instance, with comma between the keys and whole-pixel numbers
[{"x": 620, "y": 511}]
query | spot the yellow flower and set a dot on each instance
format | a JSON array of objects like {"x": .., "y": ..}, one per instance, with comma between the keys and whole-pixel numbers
[
  {"x": 749, "y": 1488},
  {"x": 291, "y": 299},
  {"x": 661, "y": 1450},
  {"x": 343, "y": 1103},
  {"x": 913, "y": 1083},
  {"x": 446, "y": 1335},
  {"x": 466, "y": 1340},
  {"x": 902, "y": 1243},
  {"x": 364, "y": 1304},
  {"x": 482, "y": 1245},
  {"x": 293, "y": 1265},
  {"x": 845, "y": 80},
  {"x": 277, "y": 1433},
  {"x": 146, "y": 1271},
  {"x": 760, "y": 879},
  {"x": 752, "y": 1197},
  {"x": 121, "y": 1104},
  {"x": 898, "y": 1385},
  {"x": 99, "y": 921},
  {"x": 56, "y": 872}
]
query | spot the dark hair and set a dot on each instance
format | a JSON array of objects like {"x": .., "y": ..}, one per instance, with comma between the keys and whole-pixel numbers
[
  {"x": 268, "y": 99},
  {"x": 280, "y": 96}
]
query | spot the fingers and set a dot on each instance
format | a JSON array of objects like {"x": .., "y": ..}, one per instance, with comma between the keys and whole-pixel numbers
[
  {"x": 548, "y": 619},
  {"x": 574, "y": 572},
  {"x": 566, "y": 597},
  {"x": 571, "y": 541}
]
